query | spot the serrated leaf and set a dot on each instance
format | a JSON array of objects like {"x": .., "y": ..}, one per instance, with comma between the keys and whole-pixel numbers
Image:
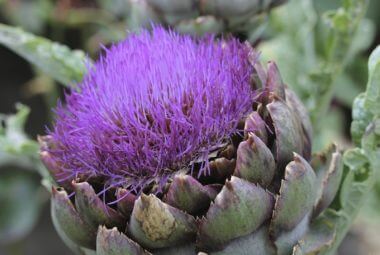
[
  {"x": 372, "y": 101},
  {"x": 355, "y": 158},
  {"x": 352, "y": 197},
  {"x": 15, "y": 147},
  {"x": 312, "y": 55},
  {"x": 57, "y": 60},
  {"x": 361, "y": 118},
  {"x": 12, "y": 136},
  {"x": 362, "y": 163},
  {"x": 19, "y": 189}
]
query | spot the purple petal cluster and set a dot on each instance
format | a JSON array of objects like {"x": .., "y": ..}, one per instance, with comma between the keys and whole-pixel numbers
[{"x": 151, "y": 105}]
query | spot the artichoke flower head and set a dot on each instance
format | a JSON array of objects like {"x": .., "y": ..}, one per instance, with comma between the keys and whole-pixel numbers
[
  {"x": 177, "y": 145},
  {"x": 156, "y": 102}
]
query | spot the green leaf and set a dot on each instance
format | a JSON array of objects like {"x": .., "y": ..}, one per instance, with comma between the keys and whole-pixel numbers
[
  {"x": 20, "y": 205},
  {"x": 361, "y": 118},
  {"x": 56, "y": 60},
  {"x": 342, "y": 28},
  {"x": 362, "y": 164},
  {"x": 355, "y": 188},
  {"x": 16, "y": 148},
  {"x": 372, "y": 101},
  {"x": 20, "y": 190},
  {"x": 31, "y": 15},
  {"x": 313, "y": 51},
  {"x": 355, "y": 158}
]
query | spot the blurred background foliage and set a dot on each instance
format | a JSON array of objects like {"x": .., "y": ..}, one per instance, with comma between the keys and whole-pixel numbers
[{"x": 321, "y": 47}]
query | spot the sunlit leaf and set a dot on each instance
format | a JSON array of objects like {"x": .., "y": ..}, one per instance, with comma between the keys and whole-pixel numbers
[
  {"x": 16, "y": 148},
  {"x": 58, "y": 61},
  {"x": 372, "y": 101}
]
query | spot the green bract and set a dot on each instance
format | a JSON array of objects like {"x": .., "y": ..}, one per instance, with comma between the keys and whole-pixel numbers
[
  {"x": 263, "y": 194},
  {"x": 266, "y": 193}
]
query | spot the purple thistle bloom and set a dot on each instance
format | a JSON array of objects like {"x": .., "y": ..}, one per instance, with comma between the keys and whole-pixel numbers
[{"x": 153, "y": 104}]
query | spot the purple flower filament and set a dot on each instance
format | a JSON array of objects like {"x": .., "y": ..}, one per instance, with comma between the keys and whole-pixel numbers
[{"x": 154, "y": 103}]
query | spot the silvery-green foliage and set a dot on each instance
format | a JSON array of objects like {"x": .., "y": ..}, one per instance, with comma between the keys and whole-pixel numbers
[{"x": 319, "y": 55}]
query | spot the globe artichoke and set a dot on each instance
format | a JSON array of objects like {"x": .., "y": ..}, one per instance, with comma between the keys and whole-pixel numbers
[
  {"x": 176, "y": 145},
  {"x": 205, "y": 16}
]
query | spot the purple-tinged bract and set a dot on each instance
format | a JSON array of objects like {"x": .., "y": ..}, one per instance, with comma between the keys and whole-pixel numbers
[{"x": 153, "y": 104}]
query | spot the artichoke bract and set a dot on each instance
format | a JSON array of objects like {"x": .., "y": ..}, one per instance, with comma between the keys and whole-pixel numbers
[
  {"x": 177, "y": 145},
  {"x": 205, "y": 16}
]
